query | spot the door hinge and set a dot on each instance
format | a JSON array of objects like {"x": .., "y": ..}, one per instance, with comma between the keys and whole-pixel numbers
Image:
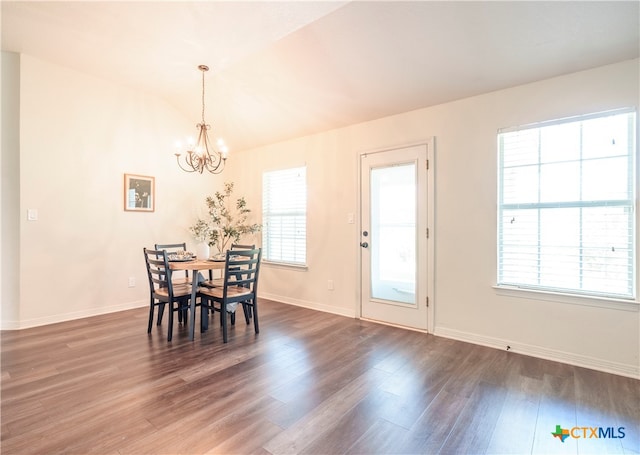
[
  {"x": 427, "y": 232},
  {"x": 427, "y": 165},
  {"x": 427, "y": 302}
]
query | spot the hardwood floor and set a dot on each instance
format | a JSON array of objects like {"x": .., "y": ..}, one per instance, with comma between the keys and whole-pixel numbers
[{"x": 310, "y": 382}]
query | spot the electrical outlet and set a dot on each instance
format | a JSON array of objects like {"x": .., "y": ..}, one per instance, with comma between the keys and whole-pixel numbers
[
  {"x": 32, "y": 214},
  {"x": 132, "y": 281}
]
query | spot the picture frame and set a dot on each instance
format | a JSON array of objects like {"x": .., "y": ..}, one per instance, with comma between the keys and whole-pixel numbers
[{"x": 139, "y": 193}]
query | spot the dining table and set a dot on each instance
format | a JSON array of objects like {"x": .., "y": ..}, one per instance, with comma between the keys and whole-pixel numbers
[{"x": 195, "y": 265}]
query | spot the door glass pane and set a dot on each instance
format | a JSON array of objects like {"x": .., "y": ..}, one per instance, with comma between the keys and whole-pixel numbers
[{"x": 393, "y": 233}]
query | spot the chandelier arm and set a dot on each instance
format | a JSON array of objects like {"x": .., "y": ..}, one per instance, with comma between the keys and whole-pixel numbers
[
  {"x": 219, "y": 165},
  {"x": 189, "y": 158},
  {"x": 202, "y": 142},
  {"x": 214, "y": 160},
  {"x": 212, "y": 165},
  {"x": 180, "y": 165},
  {"x": 194, "y": 162}
]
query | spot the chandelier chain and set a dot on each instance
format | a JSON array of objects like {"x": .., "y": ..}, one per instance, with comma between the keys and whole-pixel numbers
[{"x": 203, "y": 97}]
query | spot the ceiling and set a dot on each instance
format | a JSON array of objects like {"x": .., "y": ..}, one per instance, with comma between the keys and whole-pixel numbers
[{"x": 286, "y": 69}]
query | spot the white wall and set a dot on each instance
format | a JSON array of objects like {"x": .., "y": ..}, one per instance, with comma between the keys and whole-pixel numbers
[
  {"x": 9, "y": 195},
  {"x": 466, "y": 304},
  {"x": 332, "y": 185},
  {"x": 80, "y": 134}
]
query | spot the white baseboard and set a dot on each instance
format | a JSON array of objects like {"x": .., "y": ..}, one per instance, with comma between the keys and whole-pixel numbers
[
  {"x": 9, "y": 325},
  {"x": 350, "y": 313},
  {"x": 606, "y": 366},
  {"x": 36, "y": 322},
  {"x": 593, "y": 363}
]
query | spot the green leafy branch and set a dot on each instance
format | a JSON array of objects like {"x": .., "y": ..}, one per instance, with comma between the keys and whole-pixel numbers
[{"x": 228, "y": 220}]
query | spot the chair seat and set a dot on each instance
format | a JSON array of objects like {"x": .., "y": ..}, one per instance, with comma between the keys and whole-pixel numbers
[
  {"x": 182, "y": 280},
  {"x": 218, "y": 292},
  {"x": 217, "y": 283},
  {"x": 179, "y": 290}
]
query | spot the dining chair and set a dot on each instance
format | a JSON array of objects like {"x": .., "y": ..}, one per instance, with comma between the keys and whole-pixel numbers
[
  {"x": 175, "y": 248},
  {"x": 240, "y": 284},
  {"x": 163, "y": 291},
  {"x": 247, "y": 309},
  {"x": 218, "y": 282}
]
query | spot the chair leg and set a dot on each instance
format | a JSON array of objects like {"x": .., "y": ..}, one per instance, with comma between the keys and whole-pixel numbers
[
  {"x": 151, "y": 311},
  {"x": 183, "y": 311},
  {"x": 204, "y": 315},
  {"x": 223, "y": 317},
  {"x": 170, "y": 330},
  {"x": 254, "y": 305},
  {"x": 246, "y": 309},
  {"x": 160, "y": 313}
]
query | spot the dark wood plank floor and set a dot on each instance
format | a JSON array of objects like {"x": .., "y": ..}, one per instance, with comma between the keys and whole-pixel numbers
[{"x": 310, "y": 382}]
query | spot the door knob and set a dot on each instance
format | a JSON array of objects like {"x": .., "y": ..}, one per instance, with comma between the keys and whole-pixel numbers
[{"x": 364, "y": 244}]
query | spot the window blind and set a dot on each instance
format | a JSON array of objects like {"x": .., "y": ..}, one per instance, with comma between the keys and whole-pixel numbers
[
  {"x": 284, "y": 216},
  {"x": 566, "y": 205}
]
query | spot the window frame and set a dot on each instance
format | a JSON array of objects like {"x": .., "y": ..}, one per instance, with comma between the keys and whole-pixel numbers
[
  {"x": 268, "y": 257},
  {"x": 572, "y": 295}
]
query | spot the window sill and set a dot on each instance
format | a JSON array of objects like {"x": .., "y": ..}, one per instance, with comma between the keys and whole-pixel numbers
[
  {"x": 572, "y": 299},
  {"x": 286, "y": 265}
]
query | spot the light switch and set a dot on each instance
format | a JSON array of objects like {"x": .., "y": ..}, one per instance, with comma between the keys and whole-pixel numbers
[
  {"x": 32, "y": 215},
  {"x": 350, "y": 218}
]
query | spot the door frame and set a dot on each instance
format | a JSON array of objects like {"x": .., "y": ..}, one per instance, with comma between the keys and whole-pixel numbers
[{"x": 430, "y": 270}]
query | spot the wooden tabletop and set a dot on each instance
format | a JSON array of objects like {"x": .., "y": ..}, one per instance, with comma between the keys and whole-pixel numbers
[{"x": 196, "y": 264}]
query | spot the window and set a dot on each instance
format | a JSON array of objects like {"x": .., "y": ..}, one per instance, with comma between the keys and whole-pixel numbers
[
  {"x": 566, "y": 205},
  {"x": 284, "y": 216}
]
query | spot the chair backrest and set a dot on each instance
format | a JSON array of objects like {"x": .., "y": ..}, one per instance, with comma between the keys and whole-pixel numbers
[
  {"x": 173, "y": 248},
  {"x": 242, "y": 268},
  {"x": 158, "y": 270},
  {"x": 237, "y": 246}
]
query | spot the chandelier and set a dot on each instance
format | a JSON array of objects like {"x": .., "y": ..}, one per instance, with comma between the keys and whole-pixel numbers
[{"x": 201, "y": 155}]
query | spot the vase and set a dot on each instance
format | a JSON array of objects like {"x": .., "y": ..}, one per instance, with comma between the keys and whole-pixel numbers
[{"x": 202, "y": 250}]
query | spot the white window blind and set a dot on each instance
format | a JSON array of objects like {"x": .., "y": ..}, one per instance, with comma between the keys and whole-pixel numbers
[
  {"x": 566, "y": 205},
  {"x": 284, "y": 216}
]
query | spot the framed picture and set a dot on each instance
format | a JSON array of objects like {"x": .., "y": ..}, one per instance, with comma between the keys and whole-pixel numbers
[{"x": 139, "y": 193}]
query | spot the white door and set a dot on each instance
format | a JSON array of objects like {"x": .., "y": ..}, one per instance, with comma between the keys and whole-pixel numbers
[{"x": 393, "y": 236}]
